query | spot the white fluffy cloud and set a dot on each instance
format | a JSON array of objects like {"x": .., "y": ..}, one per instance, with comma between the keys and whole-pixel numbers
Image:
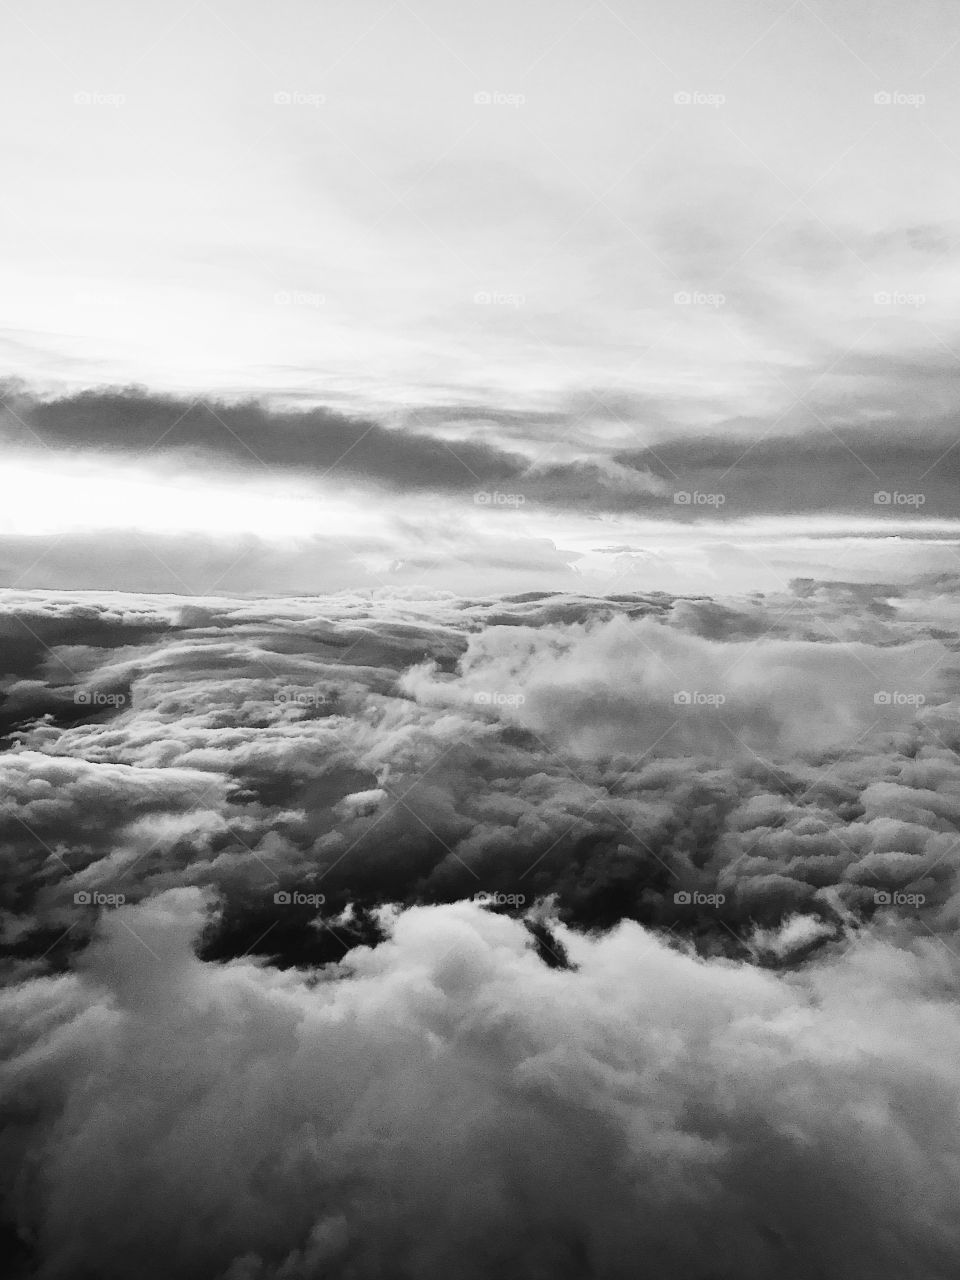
[
  {"x": 629, "y": 685},
  {"x": 444, "y": 1104}
]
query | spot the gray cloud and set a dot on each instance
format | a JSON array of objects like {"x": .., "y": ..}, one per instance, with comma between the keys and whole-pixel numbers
[
  {"x": 636, "y": 1104},
  {"x": 420, "y": 747},
  {"x": 316, "y": 441},
  {"x": 602, "y": 458},
  {"x": 699, "y": 1009}
]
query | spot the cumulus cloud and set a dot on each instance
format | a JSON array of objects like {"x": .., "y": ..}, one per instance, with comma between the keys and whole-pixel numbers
[
  {"x": 445, "y": 1104},
  {"x": 420, "y": 934},
  {"x": 628, "y": 685},
  {"x": 417, "y": 747}
]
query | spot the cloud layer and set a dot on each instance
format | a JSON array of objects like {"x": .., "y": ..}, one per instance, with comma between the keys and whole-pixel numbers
[
  {"x": 414, "y": 934},
  {"x": 445, "y": 1104},
  {"x": 792, "y": 754},
  {"x": 612, "y": 462}
]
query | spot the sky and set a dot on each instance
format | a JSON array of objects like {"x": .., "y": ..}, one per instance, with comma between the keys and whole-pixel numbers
[
  {"x": 597, "y": 237},
  {"x": 479, "y": 711}
]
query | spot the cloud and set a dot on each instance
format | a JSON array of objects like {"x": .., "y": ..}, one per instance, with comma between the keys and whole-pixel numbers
[
  {"x": 629, "y": 685},
  {"x": 413, "y": 746},
  {"x": 840, "y": 468},
  {"x": 250, "y": 437},
  {"x": 444, "y": 1103},
  {"x": 384, "y": 975},
  {"x": 428, "y": 553},
  {"x": 569, "y": 460}
]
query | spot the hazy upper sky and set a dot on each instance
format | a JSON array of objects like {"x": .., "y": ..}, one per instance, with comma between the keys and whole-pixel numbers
[
  {"x": 167, "y": 219},
  {"x": 568, "y": 230}
]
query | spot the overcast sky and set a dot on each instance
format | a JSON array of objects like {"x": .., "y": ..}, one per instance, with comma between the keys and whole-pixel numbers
[{"x": 570, "y": 233}]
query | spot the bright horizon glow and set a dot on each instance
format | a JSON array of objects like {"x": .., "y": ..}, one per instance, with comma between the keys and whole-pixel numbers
[
  {"x": 329, "y": 535},
  {"x": 93, "y": 491}
]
